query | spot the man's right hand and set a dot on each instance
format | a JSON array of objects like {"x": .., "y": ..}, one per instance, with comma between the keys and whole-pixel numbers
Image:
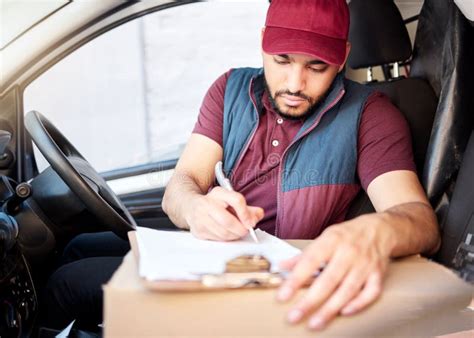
[
  {"x": 219, "y": 215},
  {"x": 222, "y": 215}
]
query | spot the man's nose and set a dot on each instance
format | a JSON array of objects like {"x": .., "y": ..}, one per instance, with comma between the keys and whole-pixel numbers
[{"x": 296, "y": 79}]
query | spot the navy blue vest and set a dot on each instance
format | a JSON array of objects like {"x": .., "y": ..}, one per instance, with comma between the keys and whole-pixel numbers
[{"x": 318, "y": 171}]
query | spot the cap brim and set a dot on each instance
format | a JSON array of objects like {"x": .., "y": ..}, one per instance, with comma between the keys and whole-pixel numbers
[{"x": 278, "y": 40}]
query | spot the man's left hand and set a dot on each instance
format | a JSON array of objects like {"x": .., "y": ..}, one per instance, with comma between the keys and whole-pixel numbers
[{"x": 355, "y": 255}]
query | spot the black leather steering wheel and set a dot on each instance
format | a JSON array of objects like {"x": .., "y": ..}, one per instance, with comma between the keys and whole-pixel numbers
[{"x": 79, "y": 175}]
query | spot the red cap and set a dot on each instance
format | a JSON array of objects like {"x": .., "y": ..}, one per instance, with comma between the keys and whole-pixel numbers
[{"x": 313, "y": 27}]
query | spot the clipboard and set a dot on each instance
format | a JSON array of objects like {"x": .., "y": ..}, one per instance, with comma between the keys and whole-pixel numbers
[{"x": 243, "y": 272}]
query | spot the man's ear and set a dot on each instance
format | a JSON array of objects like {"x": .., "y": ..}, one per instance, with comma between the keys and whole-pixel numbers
[{"x": 348, "y": 50}]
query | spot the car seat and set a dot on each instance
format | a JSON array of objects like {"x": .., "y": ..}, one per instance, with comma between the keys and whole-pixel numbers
[
  {"x": 383, "y": 40},
  {"x": 444, "y": 50}
]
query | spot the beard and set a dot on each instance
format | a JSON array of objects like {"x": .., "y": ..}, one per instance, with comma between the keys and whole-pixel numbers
[{"x": 314, "y": 103}]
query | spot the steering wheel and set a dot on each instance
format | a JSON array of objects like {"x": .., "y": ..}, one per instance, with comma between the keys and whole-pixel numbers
[{"x": 79, "y": 175}]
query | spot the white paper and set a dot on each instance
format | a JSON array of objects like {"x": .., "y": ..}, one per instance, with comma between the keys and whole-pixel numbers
[{"x": 171, "y": 255}]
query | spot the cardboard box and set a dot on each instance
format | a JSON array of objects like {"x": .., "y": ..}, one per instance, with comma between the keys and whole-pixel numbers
[{"x": 420, "y": 298}]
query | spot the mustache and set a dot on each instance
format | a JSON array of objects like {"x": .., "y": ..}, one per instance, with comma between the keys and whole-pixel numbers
[{"x": 297, "y": 94}]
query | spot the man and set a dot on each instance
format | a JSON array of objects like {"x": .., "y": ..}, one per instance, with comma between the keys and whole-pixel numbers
[{"x": 298, "y": 140}]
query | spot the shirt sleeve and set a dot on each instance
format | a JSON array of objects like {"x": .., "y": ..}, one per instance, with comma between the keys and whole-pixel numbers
[
  {"x": 384, "y": 141},
  {"x": 210, "y": 119}
]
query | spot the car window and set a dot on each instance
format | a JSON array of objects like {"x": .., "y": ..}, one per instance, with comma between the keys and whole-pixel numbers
[{"x": 132, "y": 95}]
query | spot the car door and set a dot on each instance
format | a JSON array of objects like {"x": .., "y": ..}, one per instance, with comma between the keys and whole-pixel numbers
[{"x": 129, "y": 99}]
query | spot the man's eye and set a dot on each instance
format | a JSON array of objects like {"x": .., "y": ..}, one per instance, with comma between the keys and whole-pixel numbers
[
  {"x": 281, "y": 62},
  {"x": 318, "y": 69}
]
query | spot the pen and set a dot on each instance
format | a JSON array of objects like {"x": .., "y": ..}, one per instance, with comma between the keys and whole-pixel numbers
[{"x": 225, "y": 183}]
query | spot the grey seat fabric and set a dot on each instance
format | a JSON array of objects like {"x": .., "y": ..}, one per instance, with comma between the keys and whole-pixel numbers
[{"x": 413, "y": 96}]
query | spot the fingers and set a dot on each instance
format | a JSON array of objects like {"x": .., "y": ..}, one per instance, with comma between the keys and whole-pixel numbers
[
  {"x": 224, "y": 219},
  {"x": 322, "y": 288},
  {"x": 370, "y": 292},
  {"x": 238, "y": 203},
  {"x": 349, "y": 269},
  {"x": 310, "y": 262},
  {"x": 347, "y": 290},
  {"x": 225, "y": 222},
  {"x": 289, "y": 264},
  {"x": 211, "y": 231},
  {"x": 218, "y": 216},
  {"x": 257, "y": 213}
]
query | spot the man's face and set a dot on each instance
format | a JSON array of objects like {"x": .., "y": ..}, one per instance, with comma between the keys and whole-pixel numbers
[{"x": 297, "y": 82}]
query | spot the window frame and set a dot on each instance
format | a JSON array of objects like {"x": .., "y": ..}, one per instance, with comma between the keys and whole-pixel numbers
[{"x": 76, "y": 40}]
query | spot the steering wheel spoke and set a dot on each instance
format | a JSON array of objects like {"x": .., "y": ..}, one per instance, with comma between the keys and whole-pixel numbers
[{"x": 79, "y": 175}]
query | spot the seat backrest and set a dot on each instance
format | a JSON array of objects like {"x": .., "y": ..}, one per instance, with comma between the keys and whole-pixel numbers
[
  {"x": 377, "y": 33},
  {"x": 417, "y": 101},
  {"x": 383, "y": 39}
]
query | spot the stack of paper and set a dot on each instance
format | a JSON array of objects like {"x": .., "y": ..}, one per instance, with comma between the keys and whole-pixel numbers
[{"x": 167, "y": 255}]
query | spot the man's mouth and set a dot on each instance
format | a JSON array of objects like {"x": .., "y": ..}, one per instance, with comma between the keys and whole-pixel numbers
[{"x": 292, "y": 101}]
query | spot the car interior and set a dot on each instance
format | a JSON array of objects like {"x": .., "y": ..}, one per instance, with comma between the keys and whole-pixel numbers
[
  {"x": 430, "y": 81},
  {"x": 383, "y": 41},
  {"x": 374, "y": 44}
]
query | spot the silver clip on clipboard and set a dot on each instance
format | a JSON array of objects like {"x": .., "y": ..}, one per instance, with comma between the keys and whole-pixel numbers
[{"x": 247, "y": 271}]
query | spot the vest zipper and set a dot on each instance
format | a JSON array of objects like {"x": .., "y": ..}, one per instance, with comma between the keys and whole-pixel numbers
[{"x": 279, "y": 192}]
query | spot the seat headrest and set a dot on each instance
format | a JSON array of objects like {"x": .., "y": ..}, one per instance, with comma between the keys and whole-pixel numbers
[{"x": 377, "y": 33}]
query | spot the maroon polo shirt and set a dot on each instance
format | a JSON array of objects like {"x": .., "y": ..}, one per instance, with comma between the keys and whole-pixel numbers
[{"x": 384, "y": 145}]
